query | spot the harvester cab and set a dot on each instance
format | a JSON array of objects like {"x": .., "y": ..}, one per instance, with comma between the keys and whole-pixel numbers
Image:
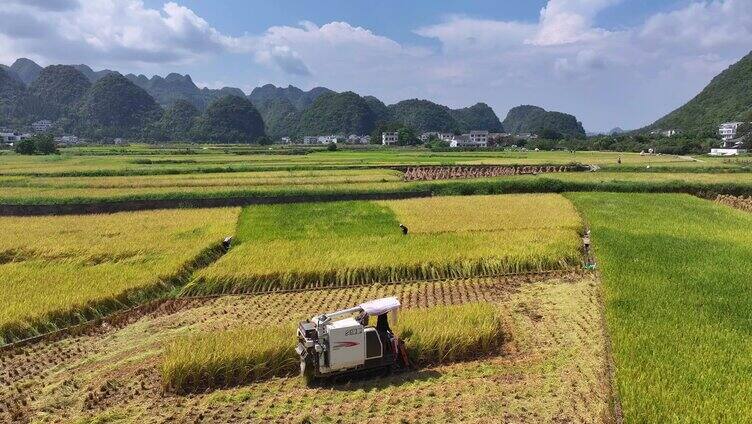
[{"x": 344, "y": 342}]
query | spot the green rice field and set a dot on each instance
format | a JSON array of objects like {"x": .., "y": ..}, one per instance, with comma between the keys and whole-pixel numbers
[{"x": 676, "y": 272}]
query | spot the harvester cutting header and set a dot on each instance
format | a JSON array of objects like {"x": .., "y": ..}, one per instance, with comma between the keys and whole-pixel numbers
[{"x": 343, "y": 342}]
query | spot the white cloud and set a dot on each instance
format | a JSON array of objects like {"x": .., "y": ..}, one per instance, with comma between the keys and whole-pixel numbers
[
  {"x": 115, "y": 31},
  {"x": 569, "y": 21}
]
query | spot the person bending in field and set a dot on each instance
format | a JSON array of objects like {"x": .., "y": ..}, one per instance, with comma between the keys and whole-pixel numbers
[{"x": 404, "y": 229}]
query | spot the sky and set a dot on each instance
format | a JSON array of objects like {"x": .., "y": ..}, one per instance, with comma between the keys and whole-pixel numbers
[{"x": 611, "y": 63}]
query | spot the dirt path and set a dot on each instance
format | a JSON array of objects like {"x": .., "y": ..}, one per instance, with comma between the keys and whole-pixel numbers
[{"x": 553, "y": 369}]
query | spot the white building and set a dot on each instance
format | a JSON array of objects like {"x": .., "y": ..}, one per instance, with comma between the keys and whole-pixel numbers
[
  {"x": 359, "y": 139},
  {"x": 479, "y": 138},
  {"x": 446, "y": 137},
  {"x": 327, "y": 139},
  {"x": 286, "y": 140},
  {"x": 727, "y": 130},
  {"x": 13, "y": 137},
  {"x": 42, "y": 126},
  {"x": 427, "y": 136},
  {"x": 727, "y": 152},
  {"x": 669, "y": 133},
  {"x": 389, "y": 138},
  {"x": 310, "y": 140},
  {"x": 473, "y": 139}
]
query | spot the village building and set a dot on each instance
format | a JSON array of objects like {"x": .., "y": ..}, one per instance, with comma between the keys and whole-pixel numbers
[{"x": 389, "y": 138}]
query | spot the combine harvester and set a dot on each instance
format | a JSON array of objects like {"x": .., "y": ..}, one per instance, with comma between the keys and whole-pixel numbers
[{"x": 343, "y": 343}]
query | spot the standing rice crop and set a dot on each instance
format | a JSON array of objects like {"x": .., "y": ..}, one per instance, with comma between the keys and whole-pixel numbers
[
  {"x": 433, "y": 336},
  {"x": 60, "y": 270},
  {"x": 676, "y": 271},
  {"x": 349, "y": 243},
  {"x": 452, "y": 333}
]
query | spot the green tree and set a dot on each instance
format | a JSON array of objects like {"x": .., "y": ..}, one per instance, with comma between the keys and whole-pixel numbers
[
  {"x": 744, "y": 130},
  {"x": 265, "y": 141},
  {"x": 26, "y": 147},
  {"x": 406, "y": 137},
  {"x": 44, "y": 144}
]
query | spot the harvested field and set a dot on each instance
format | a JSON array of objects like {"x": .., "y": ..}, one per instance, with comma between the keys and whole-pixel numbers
[
  {"x": 61, "y": 270},
  {"x": 739, "y": 202},
  {"x": 552, "y": 369},
  {"x": 349, "y": 243}
]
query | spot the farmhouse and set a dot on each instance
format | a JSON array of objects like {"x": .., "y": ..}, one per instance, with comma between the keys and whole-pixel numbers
[
  {"x": 389, "y": 138},
  {"x": 473, "y": 139},
  {"x": 359, "y": 139},
  {"x": 310, "y": 140},
  {"x": 428, "y": 135},
  {"x": 727, "y": 130},
  {"x": 13, "y": 137}
]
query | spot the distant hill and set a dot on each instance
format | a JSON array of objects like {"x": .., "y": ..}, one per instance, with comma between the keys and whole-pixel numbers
[
  {"x": 616, "y": 131},
  {"x": 337, "y": 113},
  {"x": 10, "y": 72},
  {"x": 424, "y": 115},
  {"x": 91, "y": 74},
  {"x": 280, "y": 117},
  {"x": 12, "y": 97},
  {"x": 176, "y": 123},
  {"x": 173, "y": 87},
  {"x": 297, "y": 97},
  {"x": 26, "y": 69},
  {"x": 61, "y": 85},
  {"x": 477, "y": 117},
  {"x": 728, "y": 97},
  {"x": 230, "y": 119},
  {"x": 379, "y": 109},
  {"x": 115, "y": 107},
  {"x": 106, "y": 104},
  {"x": 536, "y": 120}
]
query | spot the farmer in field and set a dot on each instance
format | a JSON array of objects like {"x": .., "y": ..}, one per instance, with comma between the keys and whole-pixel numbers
[{"x": 404, "y": 229}]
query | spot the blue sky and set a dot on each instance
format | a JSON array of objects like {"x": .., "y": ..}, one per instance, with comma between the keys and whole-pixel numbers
[{"x": 610, "y": 62}]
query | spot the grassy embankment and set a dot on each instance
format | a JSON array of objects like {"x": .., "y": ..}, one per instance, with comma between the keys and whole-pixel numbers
[
  {"x": 677, "y": 273},
  {"x": 348, "y": 243},
  {"x": 61, "y": 270},
  {"x": 438, "y": 335}
]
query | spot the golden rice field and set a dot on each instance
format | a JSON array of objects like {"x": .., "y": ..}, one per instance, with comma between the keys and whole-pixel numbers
[
  {"x": 58, "y": 270},
  {"x": 552, "y": 366},
  {"x": 224, "y": 179},
  {"x": 349, "y": 243},
  {"x": 434, "y": 336}
]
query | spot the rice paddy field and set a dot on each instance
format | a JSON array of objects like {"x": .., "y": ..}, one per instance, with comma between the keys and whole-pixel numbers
[
  {"x": 659, "y": 332},
  {"x": 142, "y": 173},
  {"x": 60, "y": 270},
  {"x": 676, "y": 273},
  {"x": 550, "y": 367},
  {"x": 293, "y": 246}
]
